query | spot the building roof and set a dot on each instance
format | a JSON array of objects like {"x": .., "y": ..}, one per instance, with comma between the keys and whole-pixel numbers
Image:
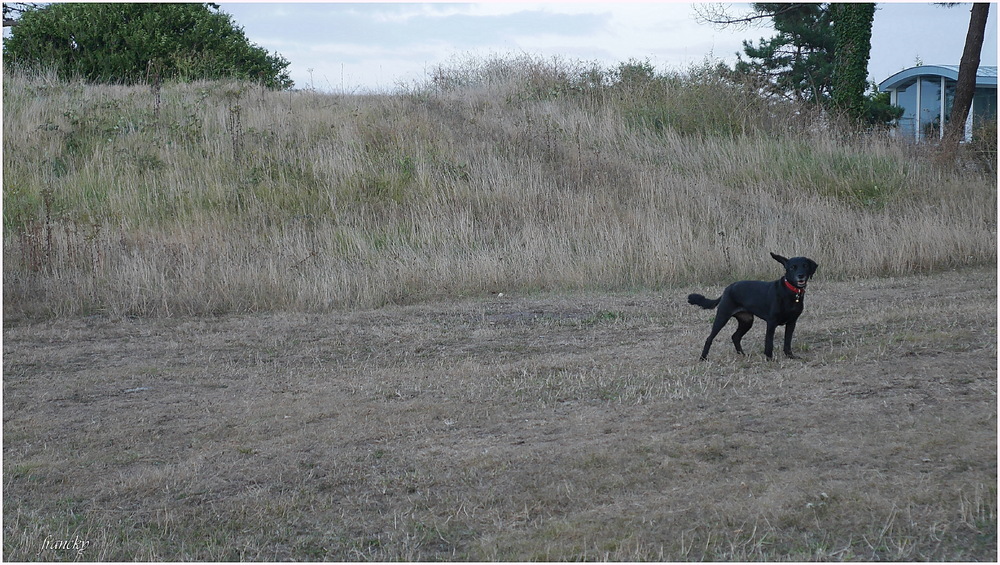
[{"x": 986, "y": 76}]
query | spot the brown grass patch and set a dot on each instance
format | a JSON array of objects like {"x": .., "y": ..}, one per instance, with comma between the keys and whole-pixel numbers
[{"x": 526, "y": 427}]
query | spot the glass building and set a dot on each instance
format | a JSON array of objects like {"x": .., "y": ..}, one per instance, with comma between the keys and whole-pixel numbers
[{"x": 926, "y": 94}]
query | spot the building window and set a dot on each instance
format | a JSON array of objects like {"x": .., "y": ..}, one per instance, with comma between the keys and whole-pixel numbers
[
  {"x": 930, "y": 108},
  {"x": 906, "y": 97},
  {"x": 984, "y": 105}
]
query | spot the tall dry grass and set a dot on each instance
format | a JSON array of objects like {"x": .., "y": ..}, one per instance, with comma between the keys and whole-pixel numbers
[{"x": 497, "y": 175}]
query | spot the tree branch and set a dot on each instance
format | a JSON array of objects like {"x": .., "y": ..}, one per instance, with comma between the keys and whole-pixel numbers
[{"x": 717, "y": 15}]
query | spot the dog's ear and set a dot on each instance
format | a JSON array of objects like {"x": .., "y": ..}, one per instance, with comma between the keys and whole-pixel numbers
[
  {"x": 779, "y": 258},
  {"x": 813, "y": 265}
]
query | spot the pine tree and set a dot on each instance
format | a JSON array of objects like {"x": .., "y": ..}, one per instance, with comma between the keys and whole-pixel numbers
[
  {"x": 820, "y": 55},
  {"x": 797, "y": 62}
]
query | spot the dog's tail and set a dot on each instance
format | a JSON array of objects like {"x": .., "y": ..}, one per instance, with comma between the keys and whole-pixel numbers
[{"x": 699, "y": 300}]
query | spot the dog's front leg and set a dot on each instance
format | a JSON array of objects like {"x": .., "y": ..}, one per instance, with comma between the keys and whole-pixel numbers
[
  {"x": 789, "y": 330},
  {"x": 769, "y": 339}
]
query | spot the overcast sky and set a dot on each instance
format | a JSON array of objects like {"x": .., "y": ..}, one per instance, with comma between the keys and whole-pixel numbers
[{"x": 356, "y": 47}]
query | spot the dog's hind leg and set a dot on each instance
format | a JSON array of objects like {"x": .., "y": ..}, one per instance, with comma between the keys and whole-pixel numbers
[
  {"x": 746, "y": 322},
  {"x": 717, "y": 325}
]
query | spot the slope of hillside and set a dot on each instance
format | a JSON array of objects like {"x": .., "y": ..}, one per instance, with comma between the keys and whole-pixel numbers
[{"x": 208, "y": 198}]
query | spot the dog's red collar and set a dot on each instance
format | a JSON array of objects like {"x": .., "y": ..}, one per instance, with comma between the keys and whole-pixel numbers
[{"x": 798, "y": 291}]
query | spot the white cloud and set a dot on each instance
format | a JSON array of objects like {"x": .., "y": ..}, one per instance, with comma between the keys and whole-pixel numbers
[
  {"x": 401, "y": 13},
  {"x": 379, "y": 45}
]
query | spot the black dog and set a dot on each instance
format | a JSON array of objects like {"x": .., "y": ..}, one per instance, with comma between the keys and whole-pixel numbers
[{"x": 779, "y": 303}]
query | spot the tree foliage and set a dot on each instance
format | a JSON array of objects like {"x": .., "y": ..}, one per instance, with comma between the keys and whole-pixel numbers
[
  {"x": 819, "y": 55},
  {"x": 852, "y": 32},
  {"x": 124, "y": 43},
  {"x": 798, "y": 61}
]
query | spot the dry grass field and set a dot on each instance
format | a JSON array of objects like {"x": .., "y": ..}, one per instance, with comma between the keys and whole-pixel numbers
[
  {"x": 564, "y": 426},
  {"x": 449, "y": 323}
]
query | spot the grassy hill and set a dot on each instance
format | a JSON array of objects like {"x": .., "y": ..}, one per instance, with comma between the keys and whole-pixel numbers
[{"x": 497, "y": 175}]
